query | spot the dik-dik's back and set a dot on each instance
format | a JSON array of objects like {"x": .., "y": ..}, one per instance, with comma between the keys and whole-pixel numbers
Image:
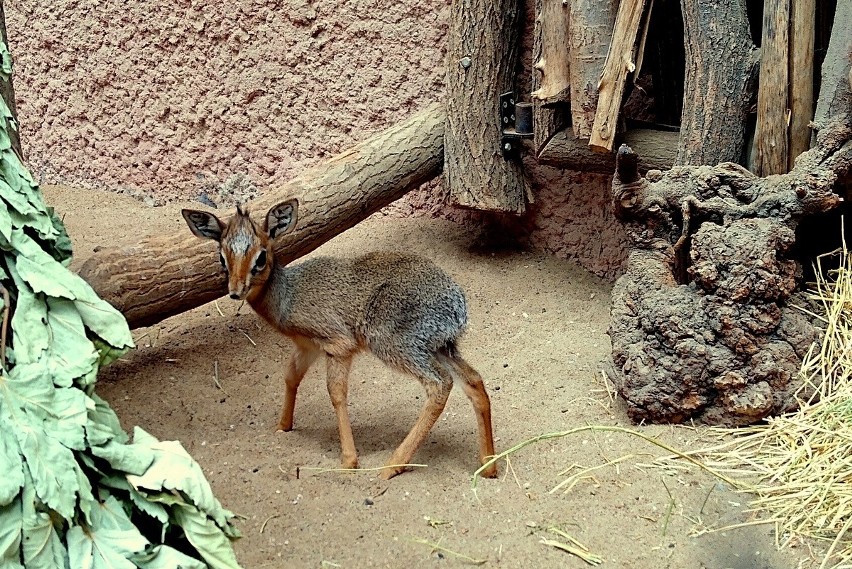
[{"x": 402, "y": 308}]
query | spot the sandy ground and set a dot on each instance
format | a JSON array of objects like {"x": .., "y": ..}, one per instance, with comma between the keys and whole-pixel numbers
[{"x": 537, "y": 335}]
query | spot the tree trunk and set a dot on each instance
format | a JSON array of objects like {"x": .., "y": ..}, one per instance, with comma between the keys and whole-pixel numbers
[
  {"x": 550, "y": 64},
  {"x": 720, "y": 72},
  {"x": 620, "y": 61},
  {"x": 591, "y": 28},
  {"x": 7, "y": 90},
  {"x": 656, "y": 148},
  {"x": 482, "y": 55},
  {"x": 801, "y": 77},
  {"x": 717, "y": 340},
  {"x": 835, "y": 93},
  {"x": 168, "y": 274},
  {"x": 771, "y": 133}
]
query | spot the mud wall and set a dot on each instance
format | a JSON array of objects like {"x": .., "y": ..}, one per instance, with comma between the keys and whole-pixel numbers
[{"x": 166, "y": 99}]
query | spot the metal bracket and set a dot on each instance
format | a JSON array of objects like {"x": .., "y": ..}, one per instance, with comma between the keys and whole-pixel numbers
[{"x": 516, "y": 122}]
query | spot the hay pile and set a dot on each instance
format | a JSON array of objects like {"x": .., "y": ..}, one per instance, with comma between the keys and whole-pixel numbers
[{"x": 800, "y": 465}]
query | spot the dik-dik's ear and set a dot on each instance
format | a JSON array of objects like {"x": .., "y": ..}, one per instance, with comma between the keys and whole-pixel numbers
[
  {"x": 281, "y": 219},
  {"x": 203, "y": 224}
]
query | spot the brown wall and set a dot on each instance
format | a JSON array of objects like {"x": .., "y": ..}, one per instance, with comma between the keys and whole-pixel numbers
[{"x": 157, "y": 97}]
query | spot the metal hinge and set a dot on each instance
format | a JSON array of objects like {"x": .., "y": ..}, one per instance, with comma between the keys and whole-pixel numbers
[{"x": 516, "y": 122}]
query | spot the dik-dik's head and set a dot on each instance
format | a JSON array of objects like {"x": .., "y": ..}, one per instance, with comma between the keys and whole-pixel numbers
[{"x": 244, "y": 248}]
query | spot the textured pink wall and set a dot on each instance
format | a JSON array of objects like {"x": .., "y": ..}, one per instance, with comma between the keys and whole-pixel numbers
[{"x": 158, "y": 96}]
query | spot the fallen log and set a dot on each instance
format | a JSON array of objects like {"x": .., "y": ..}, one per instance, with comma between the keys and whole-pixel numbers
[
  {"x": 164, "y": 275},
  {"x": 550, "y": 62}
]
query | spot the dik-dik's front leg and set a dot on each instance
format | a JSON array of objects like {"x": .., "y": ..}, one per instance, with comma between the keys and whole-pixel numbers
[
  {"x": 306, "y": 353},
  {"x": 338, "y": 390}
]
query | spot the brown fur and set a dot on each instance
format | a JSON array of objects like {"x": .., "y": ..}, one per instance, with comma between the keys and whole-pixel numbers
[{"x": 402, "y": 308}]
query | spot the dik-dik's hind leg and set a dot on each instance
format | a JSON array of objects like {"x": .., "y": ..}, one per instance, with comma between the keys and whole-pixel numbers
[
  {"x": 437, "y": 395},
  {"x": 474, "y": 388},
  {"x": 338, "y": 390},
  {"x": 305, "y": 354}
]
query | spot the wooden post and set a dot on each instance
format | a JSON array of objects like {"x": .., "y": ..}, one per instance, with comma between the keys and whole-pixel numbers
[
  {"x": 619, "y": 62},
  {"x": 771, "y": 133},
  {"x": 801, "y": 77},
  {"x": 482, "y": 56},
  {"x": 7, "y": 90},
  {"x": 591, "y": 27},
  {"x": 164, "y": 275},
  {"x": 550, "y": 81},
  {"x": 720, "y": 71},
  {"x": 835, "y": 92}
]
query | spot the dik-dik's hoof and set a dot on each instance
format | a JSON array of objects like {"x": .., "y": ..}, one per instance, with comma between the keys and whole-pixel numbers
[
  {"x": 490, "y": 472},
  {"x": 351, "y": 463},
  {"x": 389, "y": 472}
]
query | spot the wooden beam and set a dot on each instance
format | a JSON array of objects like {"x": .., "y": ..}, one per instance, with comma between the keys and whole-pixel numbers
[
  {"x": 590, "y": 31},
  {"x": 656, "y": 148},
  {"x": 482, "y": 58},
  {"x": 550, "y": 62},
  {"x": 164, "y": 275},
  {"x": 801, "y": 77},
  {"x": 620, "y": 61},
  {"x": 772, "y": 103},
  {"x": 835, "y": 92},
  {"x": 720, "y": 82}
]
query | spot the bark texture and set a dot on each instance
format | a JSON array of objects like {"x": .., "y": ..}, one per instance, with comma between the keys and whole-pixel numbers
[
  {"x": 164, "y": 275},
  {"x": 482, "y": 55},
  {"x": 590, "y": 31},
  {"x": 620, "y": 61},
  {"x": 701, "y": 324},
  {"x": 835, "y": 94},
  {"x": 771, "y": 135},
  {"x": 656, "y": 149},
  {"x": 720, "y": 84}
]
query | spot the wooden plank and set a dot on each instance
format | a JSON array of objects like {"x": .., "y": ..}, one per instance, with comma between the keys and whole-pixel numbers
[
  {"x": 164, "y": 275},
  {"x": 619, "y": 62},
  {"x": 483, "y": 52},
  {"x": 549, "y": 115},
  {"x": 772, "y": 102},
  {"x": 656, "y": 149},
  {"x": 590, "y": 31},
  {"x": 719, "y": 86},
  {"x": 801, "y": 76}
]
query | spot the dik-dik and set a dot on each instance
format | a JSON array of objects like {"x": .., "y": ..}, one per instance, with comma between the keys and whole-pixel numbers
[{"x": 402, "y": 308}]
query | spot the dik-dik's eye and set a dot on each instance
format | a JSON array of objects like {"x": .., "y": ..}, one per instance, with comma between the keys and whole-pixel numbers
[
  {"x": 222, "y": 260},
  {"x": 260, "y": 263}
]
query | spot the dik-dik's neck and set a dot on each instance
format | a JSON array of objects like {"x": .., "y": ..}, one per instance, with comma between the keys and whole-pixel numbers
[{"x": 272, "y": 300}]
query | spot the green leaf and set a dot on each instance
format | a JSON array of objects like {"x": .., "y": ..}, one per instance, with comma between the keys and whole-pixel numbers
[
  {"x": 11, "y": 524},
  {"x": 109, "y": 542},
  {"x": 165, "y": 557},
  {"x": 11, "y": 464},
  {"x": 53, "y": 469},
  {"x": 70, "y": 354},
  {"x": 68, "y": 417},
  {"x": 30, "y": 334},
  {"x": 140, "y": 501},
  {"x": 130, "y": 458},
  {"x": 42, "y": 546},
  {"x": 206, "y": 537},
  {"x": 174, "y": 469},
  {"x": 103, "y": 425}
]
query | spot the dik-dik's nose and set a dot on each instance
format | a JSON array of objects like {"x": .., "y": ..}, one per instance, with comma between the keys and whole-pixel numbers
[{"x": 234, "y": 295}]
